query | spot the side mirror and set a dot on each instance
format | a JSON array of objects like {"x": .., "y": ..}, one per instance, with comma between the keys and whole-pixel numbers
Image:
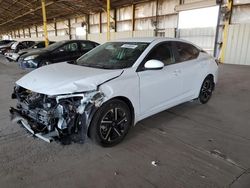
[{"x": 153, "y": 65}]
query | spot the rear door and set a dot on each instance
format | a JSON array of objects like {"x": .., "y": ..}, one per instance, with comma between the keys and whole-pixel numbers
[{"x": 187, "y": 56}]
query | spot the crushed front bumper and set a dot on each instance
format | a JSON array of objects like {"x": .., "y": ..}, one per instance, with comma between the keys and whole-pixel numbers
[{"x": 17, "y": 117}]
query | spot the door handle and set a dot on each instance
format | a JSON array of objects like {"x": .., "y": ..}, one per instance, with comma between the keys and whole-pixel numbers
[{"x": 177, "y": 71}]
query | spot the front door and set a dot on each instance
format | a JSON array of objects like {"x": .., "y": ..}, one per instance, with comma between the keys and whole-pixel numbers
[{"x": 159, "y": 89}]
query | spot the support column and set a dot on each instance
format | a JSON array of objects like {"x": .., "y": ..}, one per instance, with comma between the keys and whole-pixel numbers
[
  {"x": 88, "y": 26},
  {"x": 156, "y": 18},
  {"x": 36, "y": 32},
  {"x": 69, "y": 26},
  {"x": 225, "y": 30},
  {"x": 133, "y": 19},
  {"x": 108, "y": 20},
  {"x": 23, "y": 33},
  {"x": 115, "y": 19},
  {"x": 29, "y": 33},
  {"x": 100, "y": 22},
  {"x": 55, "y": 26},
  {"x": 45, "y": 23}
]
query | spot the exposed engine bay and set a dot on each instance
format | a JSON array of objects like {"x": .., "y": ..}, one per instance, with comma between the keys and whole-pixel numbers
[{"x": 62, "y": 117}]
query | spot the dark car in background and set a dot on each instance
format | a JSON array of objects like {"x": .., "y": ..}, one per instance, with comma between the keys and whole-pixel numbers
[
  {"x": 37, "y": 46},
  {"x": 63, "y": 51},
  {"x": 5, "y": 42},
  {"x": 16, "y": 47}
]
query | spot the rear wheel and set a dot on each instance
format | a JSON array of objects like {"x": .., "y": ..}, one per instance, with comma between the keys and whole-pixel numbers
[
  {"x": 206, "y": 90},
  {"x": 111, "y": 123}
]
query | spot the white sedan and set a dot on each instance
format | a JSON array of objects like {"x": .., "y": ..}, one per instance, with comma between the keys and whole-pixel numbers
[{"x": 111, "y": 88}]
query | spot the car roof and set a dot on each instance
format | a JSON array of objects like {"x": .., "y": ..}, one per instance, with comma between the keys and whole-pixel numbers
[
  {"x": 138, "y": 39},
  {"x": 75, "y": 41},
  {"x": 153, "y": 39},
  {"x": 149, "y": 39}
]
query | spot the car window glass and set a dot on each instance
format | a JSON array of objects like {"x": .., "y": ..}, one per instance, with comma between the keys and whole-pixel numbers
[
  {"x": 113, "y": 55},
  {"x": 86, "y": 46},
  {"x": 22, "y": 44},
  {"x": 70, "y": 47},
  {"x": 40, "y": 45},
  {"x": 186, "y": 51},
  {"x": 163, "y": 53},
  {"x": 28, "y": 43},
  {"x": 31, "y": 43}
]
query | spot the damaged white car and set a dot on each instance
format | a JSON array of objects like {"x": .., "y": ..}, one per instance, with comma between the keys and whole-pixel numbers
[{"x": 111, "y": 88}]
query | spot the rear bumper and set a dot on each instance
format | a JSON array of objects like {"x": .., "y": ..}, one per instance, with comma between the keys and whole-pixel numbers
[{"x": 17, "y": 117}]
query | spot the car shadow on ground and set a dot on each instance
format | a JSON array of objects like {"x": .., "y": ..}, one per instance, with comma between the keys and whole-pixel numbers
[{"x": 162, "y": 120}]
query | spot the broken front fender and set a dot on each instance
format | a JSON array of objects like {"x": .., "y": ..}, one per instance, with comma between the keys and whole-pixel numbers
[{"x": 62, "y": 117}]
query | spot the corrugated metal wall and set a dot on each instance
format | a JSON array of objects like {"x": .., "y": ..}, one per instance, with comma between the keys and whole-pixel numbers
[
  {"x": 238, "y": 45},
  {"x": 102, "y": 37},
  {"x": 144, "y": 24}
]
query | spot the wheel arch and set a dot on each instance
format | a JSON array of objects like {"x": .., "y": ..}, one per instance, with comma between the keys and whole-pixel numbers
[
  {"x": 121, "y": 98},
  {"x": 209, "y": 75},
  {"x": 130, "y": 105}
]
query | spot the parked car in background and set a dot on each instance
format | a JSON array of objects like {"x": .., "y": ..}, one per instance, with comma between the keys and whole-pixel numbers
[
  {"x": 113, "y": 87},
  {"x": 63, "y": 51},
  {"x": 16, "y": 47},
  {"x": 5, "y": 47},
  {"x": 5, "y": 42},
  {"x": 37, "y": 46}
]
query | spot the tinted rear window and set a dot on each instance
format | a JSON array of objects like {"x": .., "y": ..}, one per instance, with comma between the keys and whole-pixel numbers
[{"x": 185, "y": 51}]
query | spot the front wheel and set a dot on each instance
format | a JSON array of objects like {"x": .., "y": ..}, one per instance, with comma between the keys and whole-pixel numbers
[
  {"x": 206, "y": 90},
  {"x": 111, "y": 123}
]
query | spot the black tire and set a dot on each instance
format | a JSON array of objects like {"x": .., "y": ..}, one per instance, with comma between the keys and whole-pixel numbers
[
  {"x": 206, "y": 90},
  {"x": 111, "y": 123}
]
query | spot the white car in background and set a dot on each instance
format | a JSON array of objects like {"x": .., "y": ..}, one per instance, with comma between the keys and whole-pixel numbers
[{"x": 111, "y": 88}]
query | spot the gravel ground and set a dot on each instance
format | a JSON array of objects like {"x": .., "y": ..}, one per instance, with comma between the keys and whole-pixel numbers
[{"x": 191, "y": 145}]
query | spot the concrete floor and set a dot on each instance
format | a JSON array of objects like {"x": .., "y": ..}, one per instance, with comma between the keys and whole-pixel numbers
[{"x": 193, "y": 145}]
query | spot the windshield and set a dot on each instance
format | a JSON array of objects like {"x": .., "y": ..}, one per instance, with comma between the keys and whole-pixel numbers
[
  {"x": 55, "y": 45},
  {"x": 113, "y": 55}
]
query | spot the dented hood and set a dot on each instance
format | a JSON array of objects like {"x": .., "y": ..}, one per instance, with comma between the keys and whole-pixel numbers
[{"x": 64, "y": 78}]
